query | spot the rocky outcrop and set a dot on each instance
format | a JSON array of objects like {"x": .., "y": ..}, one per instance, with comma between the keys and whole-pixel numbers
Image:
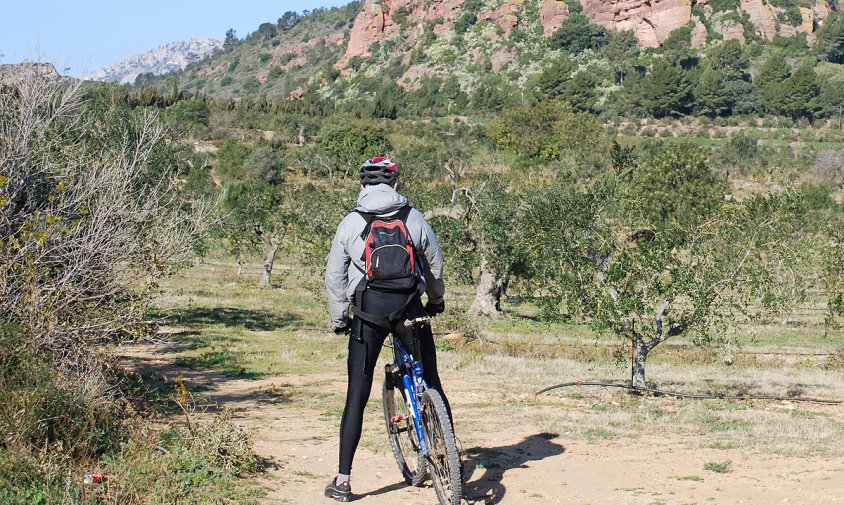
[
  {"x": 297, "y": 54},
  {"x": 728, "y": 28},
  {"x": 806, "y": 26},
  {"x": 369, "y": 27},
  {"x": 501, "y": 58},
  {"x": 505, "y": 16},
  {"x": 651, "y": 20},
  {"x": 552, "y": 14},
  {"x": 699, "y": 34},
  {"x": 821, "y": 9},
  {"x": 376, "y": 21},
  {"x": 761, "y": 16}
]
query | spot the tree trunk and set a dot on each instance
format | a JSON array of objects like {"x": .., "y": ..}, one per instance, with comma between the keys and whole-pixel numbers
[
  {"x": 268, "y": 264},
  {"x": 491, "y": 286},
  {"x": 640, "y": 356}
]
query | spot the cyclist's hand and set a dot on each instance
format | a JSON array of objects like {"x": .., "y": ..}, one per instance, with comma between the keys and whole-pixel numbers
[
  {"x": 432, "y": 309},
  {"x": 344, "y": 328}
]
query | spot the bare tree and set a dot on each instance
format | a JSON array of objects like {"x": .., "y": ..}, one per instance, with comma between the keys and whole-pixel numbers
[{"x": 87, "y": 222}]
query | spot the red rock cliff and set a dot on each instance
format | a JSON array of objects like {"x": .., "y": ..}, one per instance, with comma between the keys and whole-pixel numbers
[{"x": 651, "y": 20}]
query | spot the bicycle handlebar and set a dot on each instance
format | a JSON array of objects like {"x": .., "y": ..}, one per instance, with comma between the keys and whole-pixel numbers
[{"x": 419, "y": 321}]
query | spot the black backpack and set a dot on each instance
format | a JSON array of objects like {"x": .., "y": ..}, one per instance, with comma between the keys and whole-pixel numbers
[
  {"x": 390, "y": 263},
  {"x": 389, "y": 255}
]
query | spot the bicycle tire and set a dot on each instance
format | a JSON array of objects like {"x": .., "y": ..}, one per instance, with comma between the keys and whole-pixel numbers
[
  {"x": 403, "y": 440},
  {"x": 444, "y": 460}
]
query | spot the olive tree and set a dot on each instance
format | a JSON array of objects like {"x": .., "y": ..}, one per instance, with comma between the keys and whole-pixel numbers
[
  {"x": 257, "y": 216},
  {"x": 489, "y": 210},
  {"x": 659, "y": 254},
  {"x": 834, "y": 269}
]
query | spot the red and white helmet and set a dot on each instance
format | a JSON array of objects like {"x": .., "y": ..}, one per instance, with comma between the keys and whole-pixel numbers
[{"x": 379, "y": 170}]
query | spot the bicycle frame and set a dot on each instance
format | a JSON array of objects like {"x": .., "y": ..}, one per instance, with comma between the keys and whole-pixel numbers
[{"x": 414, "y": 385}]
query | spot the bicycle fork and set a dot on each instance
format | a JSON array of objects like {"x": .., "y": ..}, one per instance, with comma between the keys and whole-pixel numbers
[{"x": 410, "y": 392}]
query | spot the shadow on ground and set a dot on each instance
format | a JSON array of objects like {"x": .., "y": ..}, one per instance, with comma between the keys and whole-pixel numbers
[
  {"x": 494, "y": 462},
  {"x": 255, "y": 320},
  {"x": 156, "y": 377},
  {"x": 484, "y": 468}
]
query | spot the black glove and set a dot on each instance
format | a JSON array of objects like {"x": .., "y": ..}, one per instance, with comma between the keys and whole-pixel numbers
[
  {"x": 432, "y": 309},
  {"x": 345, "y": 327}
]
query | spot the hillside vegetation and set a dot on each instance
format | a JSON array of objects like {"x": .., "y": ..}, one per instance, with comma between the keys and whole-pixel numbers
[{"x": 467, "y": 63}]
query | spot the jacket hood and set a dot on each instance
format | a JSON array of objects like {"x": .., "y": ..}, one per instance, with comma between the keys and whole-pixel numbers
[{"x": 380, "y": 199}]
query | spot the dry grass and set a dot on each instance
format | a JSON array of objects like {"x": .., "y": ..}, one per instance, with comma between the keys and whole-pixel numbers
[{"x": 491, "y": 381}]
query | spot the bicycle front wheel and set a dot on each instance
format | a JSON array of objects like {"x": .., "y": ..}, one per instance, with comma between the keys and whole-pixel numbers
[
  {"x": 403, "y": 439},
  {"x": 443, "y": 459}
]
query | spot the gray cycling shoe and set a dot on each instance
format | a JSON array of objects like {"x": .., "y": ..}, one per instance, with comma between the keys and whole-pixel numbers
[{"x": 340, "y": 492}]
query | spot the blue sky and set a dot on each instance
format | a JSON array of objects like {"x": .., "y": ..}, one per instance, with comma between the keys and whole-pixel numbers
[{"x": 86, "y": 35}]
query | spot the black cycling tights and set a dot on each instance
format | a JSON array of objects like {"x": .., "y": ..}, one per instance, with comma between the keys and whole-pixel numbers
[{"x": 363, "y": 357}]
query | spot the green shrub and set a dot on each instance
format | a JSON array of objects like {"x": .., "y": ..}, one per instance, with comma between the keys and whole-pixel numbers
[
  {"x": 274, "y": 73},
  {"x": 791, "y": 16},
  {"x": 45, "y": 407}
]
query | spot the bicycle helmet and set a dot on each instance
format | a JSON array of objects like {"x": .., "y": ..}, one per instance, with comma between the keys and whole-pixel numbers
[{"x": 380, "y": 170}]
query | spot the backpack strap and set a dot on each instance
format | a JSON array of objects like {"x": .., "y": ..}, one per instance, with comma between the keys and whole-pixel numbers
[
  {"x": 402, "y": 215},
  {"x": 385, "y": 321}
]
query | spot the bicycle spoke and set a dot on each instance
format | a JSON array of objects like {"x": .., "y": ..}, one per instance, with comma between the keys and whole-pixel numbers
[
  {"x": 402, "y": 436},
  {"x": 443, "y": 457}
]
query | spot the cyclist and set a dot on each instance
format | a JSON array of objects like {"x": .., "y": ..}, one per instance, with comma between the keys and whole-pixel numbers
[{"x": 378, "y": 310}]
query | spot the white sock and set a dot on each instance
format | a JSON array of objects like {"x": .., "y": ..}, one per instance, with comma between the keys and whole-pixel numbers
[{"x": 341, "y": 478}]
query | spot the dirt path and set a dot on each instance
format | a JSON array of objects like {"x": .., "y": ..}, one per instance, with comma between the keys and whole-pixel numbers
[{"x": 511, "y": 462}]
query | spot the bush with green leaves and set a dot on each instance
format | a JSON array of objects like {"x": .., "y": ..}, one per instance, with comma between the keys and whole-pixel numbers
[
  {"x": 548, "y": 131},
  {"x": 578, "y": 34},
  {"x": 349, "y": 143}
]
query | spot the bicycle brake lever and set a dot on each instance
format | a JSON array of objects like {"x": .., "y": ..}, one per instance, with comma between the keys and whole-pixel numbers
[{"x": 419, "y": 321}]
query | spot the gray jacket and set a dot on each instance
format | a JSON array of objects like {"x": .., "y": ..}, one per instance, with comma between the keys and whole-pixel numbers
[{"x": 345, "y": 267}]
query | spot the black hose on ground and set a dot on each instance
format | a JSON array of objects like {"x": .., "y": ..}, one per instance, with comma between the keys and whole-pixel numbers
[{"x": 690, "y": 395}]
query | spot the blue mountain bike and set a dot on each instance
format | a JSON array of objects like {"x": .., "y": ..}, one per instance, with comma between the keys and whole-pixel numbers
[{"x": 420, "y": 431}]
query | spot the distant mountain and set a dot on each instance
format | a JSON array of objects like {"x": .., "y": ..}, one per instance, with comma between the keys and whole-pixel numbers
[{"x": 161, "y": 60}]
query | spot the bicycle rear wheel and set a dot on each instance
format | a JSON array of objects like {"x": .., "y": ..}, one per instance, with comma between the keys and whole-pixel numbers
[
  {"x": 403, "y": 439},
  {"x": 444, "y": 459}
]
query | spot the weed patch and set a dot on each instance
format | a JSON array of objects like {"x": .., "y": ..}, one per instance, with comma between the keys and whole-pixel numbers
[{"x": 724, "y": 467}]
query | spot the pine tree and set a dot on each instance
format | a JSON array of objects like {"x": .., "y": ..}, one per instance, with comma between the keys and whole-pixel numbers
[
  {"x": 830, "y": 44},
  {"x": 711, "y": 94},
  {"x": 665, "y": 90},
  {"x": 621, "y": 50},
  {"x": 231, "y": 40},
  {"x": 772, "y": 75},
  {"x": 551, "y": 84},
  {"x": 800, "y": 92}
]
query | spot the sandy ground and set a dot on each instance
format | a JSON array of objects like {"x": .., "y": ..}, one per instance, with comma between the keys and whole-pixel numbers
[{"x": 508, "y": 462}]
